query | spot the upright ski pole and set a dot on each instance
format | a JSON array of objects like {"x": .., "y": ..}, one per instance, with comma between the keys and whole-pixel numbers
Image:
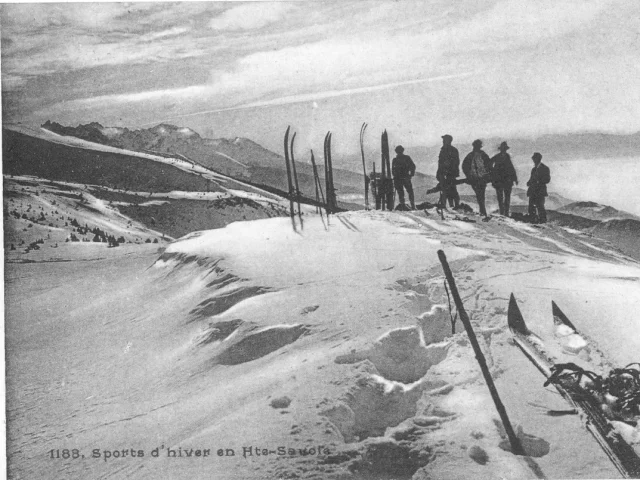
[{"x": 516, "y": 446}]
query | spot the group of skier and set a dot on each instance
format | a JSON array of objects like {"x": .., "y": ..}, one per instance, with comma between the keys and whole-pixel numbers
[{"x": 479, "y": 170}]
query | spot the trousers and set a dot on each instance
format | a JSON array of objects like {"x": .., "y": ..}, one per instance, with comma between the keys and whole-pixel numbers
[
  {"x": 402, "y": 183},
  {"x": 504, "y": 199},
  {"x": 536, "y": 209},
  {"x": 480, "y": 188}
]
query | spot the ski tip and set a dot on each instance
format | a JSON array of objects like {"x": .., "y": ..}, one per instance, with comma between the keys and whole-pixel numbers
[
  {"x": 559, "y": 318},
  {"x": 514, "y": 318}
]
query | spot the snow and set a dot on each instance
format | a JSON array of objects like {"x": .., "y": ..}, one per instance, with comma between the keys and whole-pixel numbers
[{"x": 349, "y": 320}]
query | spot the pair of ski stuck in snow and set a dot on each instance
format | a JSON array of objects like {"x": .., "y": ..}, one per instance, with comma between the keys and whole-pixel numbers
[
  {"x": 294, "y": 195},
  {"x": 292, "y": 178},
  {"x": 596, "y": 400}
]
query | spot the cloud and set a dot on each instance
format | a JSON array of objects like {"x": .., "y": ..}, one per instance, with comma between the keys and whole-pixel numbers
[
  {"x": 514, "y": 23},
  {"x": 12, "y": 82},
  {"x": 172, "y": 32},
  {"x": 118, "y": 100},
  {"x": 315, "y": 96},
  {"x": 34, "y": 16},
  {"x": 251, "y": 16}
]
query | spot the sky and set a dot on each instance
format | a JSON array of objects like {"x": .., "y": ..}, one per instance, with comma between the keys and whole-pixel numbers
[{"x": 419, "y": 69}]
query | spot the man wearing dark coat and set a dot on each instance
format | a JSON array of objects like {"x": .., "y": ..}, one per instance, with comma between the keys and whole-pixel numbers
[
  {"x": 402, "y": 170},
  {"x": 448, "y": 171},
  {"x": 503, "y": 175},
  {"x": 537, "y": 191},
  {"x": 477, "y": 168}
]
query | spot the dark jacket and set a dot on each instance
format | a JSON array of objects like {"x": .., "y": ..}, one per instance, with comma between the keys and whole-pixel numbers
[
  {"x": 448, "y": 163},
  {"x": 503, "y": 174},
  {"x": 540, "y": 176},
  {"x": 477, "y": 173},
  {"x": 403, "y": 166}
]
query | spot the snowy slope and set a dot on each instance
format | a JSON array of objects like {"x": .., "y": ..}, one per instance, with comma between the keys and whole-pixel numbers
[{"x": 336, "y": 339}]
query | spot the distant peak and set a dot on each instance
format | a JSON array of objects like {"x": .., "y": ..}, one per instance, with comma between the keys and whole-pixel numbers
[
  {"x": 168, "y": 129},
  {"x": 163, "y": 128},
  {"x": 585, "y": 204}
]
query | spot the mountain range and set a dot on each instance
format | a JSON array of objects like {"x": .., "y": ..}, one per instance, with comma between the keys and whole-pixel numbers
[{"x": 240, "y": 158}]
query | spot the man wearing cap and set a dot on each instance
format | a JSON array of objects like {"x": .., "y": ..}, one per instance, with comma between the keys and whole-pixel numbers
[
  {"x": 503, "y": 175},
  {"x": 402, "y": 170},
  {"x": 477, "y": 168},
  {"x": 540, "y": 176},
  {"x": 448, "y": 171}
]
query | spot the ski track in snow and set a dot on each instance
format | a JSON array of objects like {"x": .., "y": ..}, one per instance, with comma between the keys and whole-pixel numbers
[{"x": 230, "y": 158}]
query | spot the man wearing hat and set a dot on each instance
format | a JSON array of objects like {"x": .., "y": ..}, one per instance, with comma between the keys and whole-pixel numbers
[
  {"x": 503, "y": 175},
  {"x": 477, "y": 168},
  {"x": 402, "y": 170},
  {"x": 540, "y": 176},
  {"x": 448, "y": 171}
]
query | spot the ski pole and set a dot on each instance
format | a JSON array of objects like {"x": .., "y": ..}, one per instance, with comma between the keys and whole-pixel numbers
[{"x": 516, "y": 446}]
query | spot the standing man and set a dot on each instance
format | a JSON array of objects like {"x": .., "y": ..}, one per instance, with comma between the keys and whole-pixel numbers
[
  {"x": 540, "y": 176},
  {"x": 503, "y": 175},
  {"x": 402, "y": 170},
  {"x": 448, "y": 171},
  {"x": 477, "y": 168}
]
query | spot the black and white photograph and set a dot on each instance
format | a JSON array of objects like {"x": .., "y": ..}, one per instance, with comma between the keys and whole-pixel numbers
[{"x": 341, "y": 240}]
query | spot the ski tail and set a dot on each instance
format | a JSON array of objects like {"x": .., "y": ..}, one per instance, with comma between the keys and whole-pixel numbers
[
  {"x": 559, "y": 318},
  {"x": 515, "y": 318}
]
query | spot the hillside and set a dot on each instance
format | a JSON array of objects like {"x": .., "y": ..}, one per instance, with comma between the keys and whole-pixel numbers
[
  {"x": 167, "y": 195},
  {"x": 262, "y": 353}
]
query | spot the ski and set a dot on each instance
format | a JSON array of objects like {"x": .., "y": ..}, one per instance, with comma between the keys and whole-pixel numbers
[
  {"x": 364, "y": 167},
  {"x": 289, "y": 181},
  {"x": 295, "y": 179},
  {"x": 374, "y": 186},
  {"x": 388, "y": 179},
  {"x": 319, "y": 187},
  {"x": 328, "y": 174},
  {"x": 621, "y": 454}
]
